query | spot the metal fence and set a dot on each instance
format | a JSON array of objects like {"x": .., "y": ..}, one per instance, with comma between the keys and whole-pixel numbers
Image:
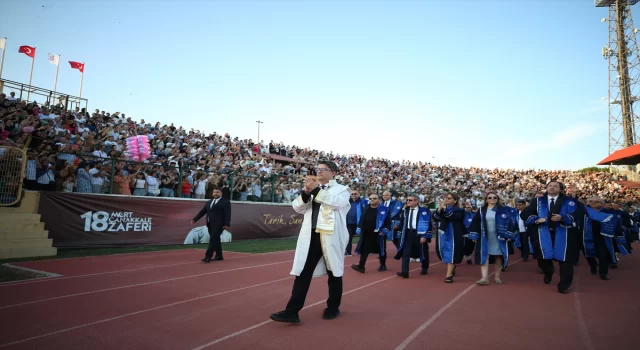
[
  {"x": 86, "y": 173},
  {"x": 41, "y": 95},
  {"x": 12, "y": 168}
]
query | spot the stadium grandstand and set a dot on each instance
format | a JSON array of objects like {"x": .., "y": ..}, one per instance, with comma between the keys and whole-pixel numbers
[{"x": 72, "y": 149}]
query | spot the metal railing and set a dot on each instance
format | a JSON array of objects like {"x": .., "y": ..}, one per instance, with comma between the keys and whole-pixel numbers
[
  {"x": 13, "y": 161},
  {"x": 69, "y": 102},
  {"x": 631, "y": 175}
]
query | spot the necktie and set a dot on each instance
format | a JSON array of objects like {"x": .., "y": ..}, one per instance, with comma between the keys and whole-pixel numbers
[
  {"x": 553, "y": 202},
  {"x": 411, "y": 220}
]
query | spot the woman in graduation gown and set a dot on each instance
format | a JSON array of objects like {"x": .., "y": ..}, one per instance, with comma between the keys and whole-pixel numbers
[
  {"x": 491, "y": 228},
  {"x": 450, "y": 236}
]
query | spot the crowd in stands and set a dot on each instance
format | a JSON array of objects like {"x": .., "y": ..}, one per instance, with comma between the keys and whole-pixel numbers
[{"x": 78, "y": 151}]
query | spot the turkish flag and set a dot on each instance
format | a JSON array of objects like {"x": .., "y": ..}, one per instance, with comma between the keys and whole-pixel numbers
[
  {"x": 28, "y": 50},
  {"x": 77, "y": 65}
]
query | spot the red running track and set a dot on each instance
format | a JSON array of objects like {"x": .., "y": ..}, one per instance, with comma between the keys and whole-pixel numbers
[{"x": 170, "y": 300}]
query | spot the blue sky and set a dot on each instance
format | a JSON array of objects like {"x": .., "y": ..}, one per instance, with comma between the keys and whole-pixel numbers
[{"x": 510, "y": 84}]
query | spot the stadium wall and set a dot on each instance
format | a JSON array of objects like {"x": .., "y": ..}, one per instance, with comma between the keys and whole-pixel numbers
[{"x": 77, "y": 220}]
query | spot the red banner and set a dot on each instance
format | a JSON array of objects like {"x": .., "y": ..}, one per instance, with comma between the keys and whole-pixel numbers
[{"x": 77, "y": 220}]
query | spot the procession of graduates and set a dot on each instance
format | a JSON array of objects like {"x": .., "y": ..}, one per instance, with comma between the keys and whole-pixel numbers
[{"x": 557, "y": 225}]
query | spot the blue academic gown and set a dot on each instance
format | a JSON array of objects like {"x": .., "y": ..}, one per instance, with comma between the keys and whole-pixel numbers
[
  {"x": 635, "y": 217},
  {"x": 563, "y": 247},
  {"x": 619, "y": 237},
  {"x": 516, "y": 241},
  {"x": 506, "y": 228},
  {"x": 608, "y": 226},
  {"x": 451, "y": 232},
  {"x": 469, "y": 245},
  {"x": 423, "y": 227},
  {"x": 359, "y": 207}
]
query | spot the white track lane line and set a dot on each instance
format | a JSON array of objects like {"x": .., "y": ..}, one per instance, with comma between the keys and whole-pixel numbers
[
  {"x": 142, "y": 284},
  {"x": 62, "y": 277},
  {"x": 219, "y": 340},
  {"x": 139, "y": 312},
  {"x": 577, "y": 304},
  {"x": 159, "y": 252},
  {"x": 442, "y": 310}
]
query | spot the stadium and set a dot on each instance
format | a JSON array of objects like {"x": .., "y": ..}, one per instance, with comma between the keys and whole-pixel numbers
[{"x": 102, "y": 242}]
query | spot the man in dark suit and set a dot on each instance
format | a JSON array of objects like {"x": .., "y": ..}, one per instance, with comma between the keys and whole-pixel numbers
[
  {"x": 218, "y": 211},
  {"x": 554, "y": 216}
]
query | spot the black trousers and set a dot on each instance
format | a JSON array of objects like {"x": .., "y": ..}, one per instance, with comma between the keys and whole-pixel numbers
[
  {"x": 368, "y": 247},
  {"x": 215, "y": 245},
  {"x": 352, "y": 231},
  {"x": 566, "y": 271},
  {"x": 410, "y": 241},
  {"x": 602, "y": 254},
  {"x": 301, "y": 283},
  {"x": 524, "y": 245},
  {"x": 469, "y": 247}
]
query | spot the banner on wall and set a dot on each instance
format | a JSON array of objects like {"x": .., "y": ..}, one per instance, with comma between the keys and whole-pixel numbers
[{"x": 76, "y": 220}]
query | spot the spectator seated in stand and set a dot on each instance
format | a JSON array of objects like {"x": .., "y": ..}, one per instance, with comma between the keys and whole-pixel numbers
[{"x": 82, "y": 150}]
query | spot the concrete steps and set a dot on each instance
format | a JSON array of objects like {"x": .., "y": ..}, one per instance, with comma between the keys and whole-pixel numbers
[{"x": 22, "y": 234}]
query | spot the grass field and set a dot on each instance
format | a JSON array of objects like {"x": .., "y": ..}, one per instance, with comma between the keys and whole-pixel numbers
[{"x": 8, "y": 273}]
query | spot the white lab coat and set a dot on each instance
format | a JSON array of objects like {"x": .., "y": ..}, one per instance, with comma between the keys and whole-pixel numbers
[{"x": 336, "y": 196}]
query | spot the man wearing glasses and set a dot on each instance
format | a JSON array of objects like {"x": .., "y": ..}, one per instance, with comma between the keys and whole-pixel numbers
[
  {"x": 415, "y": 224},
  {"x": 321, "y": 243},
  {"x": 374, "y": 226}
]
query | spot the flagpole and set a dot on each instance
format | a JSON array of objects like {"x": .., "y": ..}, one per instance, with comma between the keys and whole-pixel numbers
[
  {"x": 4, "y": 49},
  {"x": 55, "y": 82},
  {"x": 33, "y": 59},
  {"x": 81, "y": 78}
]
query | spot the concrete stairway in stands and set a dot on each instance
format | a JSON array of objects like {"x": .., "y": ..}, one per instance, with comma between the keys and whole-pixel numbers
[{"x": 22, "y": 234}]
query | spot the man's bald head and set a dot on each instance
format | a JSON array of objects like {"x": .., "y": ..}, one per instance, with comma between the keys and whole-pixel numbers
[{"x": 596, "y": 202}]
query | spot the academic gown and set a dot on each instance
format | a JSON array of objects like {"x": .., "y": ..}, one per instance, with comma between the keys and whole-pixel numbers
[
  {"x": 562, "y": 246},
  {"x": 606, "y": 228},
  {"x": 394, "y": 210},
  {"x": 620, "y": 244},
  {"x": 423, "y": 221},
  {"x": 450, "y": 237},
  {"x": 469, "y": 245},
  {"x": 336, "y": 198},
  {"x": 383, "y": 225},
  {"x": 506, "y": 228}
]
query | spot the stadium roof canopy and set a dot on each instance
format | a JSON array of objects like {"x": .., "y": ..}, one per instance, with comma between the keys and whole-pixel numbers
[{"x": 625, "y": 156}]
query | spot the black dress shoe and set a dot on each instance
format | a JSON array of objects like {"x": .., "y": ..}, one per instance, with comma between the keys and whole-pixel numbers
[
  {"x": 206, "y": 260},
  {"x": 285, "y": 317},
  {"x": 402, "y": 274},
  {"x": 357, "y": 268},
  {"x": 604, "y": 277},
  {"x": 594, "y": 269},
  {"x": 217, "y": 258},
  {"x": 382, "y": 268},
  {"x": 563, "y": 291},
  {"x": 424, "y": 272},
  {"x": 547, "y": 279},
  {"x": 330, "y": 314}
]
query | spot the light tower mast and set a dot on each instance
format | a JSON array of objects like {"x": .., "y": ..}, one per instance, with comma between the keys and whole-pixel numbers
[{"x": 624, "y": 74}]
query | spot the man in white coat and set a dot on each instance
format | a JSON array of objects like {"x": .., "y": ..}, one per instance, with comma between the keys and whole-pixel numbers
[{"x": 321, "y": 243}]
